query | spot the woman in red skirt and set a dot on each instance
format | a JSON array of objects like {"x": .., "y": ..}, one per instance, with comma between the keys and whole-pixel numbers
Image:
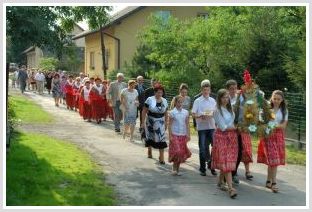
[
  {"x": 69, "y": 93},
  {"x": 271, "y": 150},
  {"x": 179, "y": 135},
  {"x": 97, "y": 103},
  {"x": 225, "y": 148},
  {"x": 85, "y": 106}
]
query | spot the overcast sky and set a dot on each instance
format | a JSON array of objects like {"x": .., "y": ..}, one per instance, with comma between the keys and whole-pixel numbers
[{"x": 84, "y": 25}]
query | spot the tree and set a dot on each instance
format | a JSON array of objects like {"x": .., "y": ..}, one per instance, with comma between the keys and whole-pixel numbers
[
  {"x": 48, "y": 63},
  {"x": 96, "y": 17},
  {"x": 48, "y": 26},
  {"x": 265, "y": 39}
]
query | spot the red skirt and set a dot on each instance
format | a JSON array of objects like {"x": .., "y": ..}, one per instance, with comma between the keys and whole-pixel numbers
[
  {"x": 70, "y": 100},
  {"x": 178, "y": 151},
  {"x": 97, "y": 105},
  {"x": 225, "y": 150},
  {"x": 86, "y": 113},
  {"x": 271, "y": 150},
  {"x": 246, "y": 148}
]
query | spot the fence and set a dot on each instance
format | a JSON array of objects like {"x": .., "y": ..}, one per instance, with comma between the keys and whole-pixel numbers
[{"x": 296, "y": 128}]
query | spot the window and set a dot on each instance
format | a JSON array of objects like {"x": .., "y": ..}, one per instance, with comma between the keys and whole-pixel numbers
[
  {"x": 106, "y": 57},
  {"x": 92, "y": 63},
  {"x": 163, "y": 15},
  {"x": 203, "y": 15}
]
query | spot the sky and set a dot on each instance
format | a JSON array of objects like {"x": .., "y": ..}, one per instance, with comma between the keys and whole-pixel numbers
[{"x": 84, "y": 25}]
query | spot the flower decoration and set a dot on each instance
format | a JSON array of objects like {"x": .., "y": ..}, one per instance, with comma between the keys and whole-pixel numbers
[
  {"x": 250, "y": 102},
  {"x": 247, "y": 77},
  {"x": 252, "y": 128}
]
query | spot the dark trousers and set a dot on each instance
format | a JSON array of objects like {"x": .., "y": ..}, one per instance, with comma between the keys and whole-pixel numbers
[
  {"x": 239, "y": 157},
  {"x": 139, "y": 113},
  {"x": 205, "y": 138}
]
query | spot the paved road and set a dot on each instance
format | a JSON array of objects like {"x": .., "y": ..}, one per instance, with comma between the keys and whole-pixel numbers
[{"x": 142, "y": 181}]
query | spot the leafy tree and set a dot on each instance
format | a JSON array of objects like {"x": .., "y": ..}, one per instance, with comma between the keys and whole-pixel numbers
[{"x": 48, "y": 63}]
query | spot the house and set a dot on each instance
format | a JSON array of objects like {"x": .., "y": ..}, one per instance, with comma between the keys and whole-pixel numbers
[
  {"x": 34, "y": 53},
  {"x": 120, "y": 35}
]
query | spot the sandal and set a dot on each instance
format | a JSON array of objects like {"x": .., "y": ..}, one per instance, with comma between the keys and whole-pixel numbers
[
  {"x": 274, "y": 188},
  {"x": 248, "y": 176},
  {"x": 232, "y": 193},
  {"x": 161, "y": 162},
  {"x": 268, "y": 184}
]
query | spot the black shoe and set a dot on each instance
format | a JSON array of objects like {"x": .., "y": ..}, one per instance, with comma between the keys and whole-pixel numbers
[
  {"x": 203, "y": 173},
  {"x": 213, "y": 172},
  {"x": 117, "y": 130}
]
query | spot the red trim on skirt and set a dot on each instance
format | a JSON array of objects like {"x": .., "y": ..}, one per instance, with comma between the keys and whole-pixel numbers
[
  {"x": 246, "y": 148},
  {"x": 178, "y": 151},
  {"x": 271, "y": 151},
  {"x": 225, "y": 150}
]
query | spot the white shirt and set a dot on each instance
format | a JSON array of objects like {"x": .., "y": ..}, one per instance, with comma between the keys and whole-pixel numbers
[
  {"x": 224, "y": 121},
  {"x": 178, "y": 126},
  {"x": 233, "y": 99},
  {"x": 279, "y": 116},
  {"x": 40, "y": 77},
  {"x": 86, "y": 93},
  {"x": 202, "y": 105},
  {"x": 99, "y": 89}
]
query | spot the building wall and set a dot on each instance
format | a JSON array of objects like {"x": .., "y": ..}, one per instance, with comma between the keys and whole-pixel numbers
[
  {"x": 93, "y": 45},
  {"x": 127, "y": 31},
  {"x": 81, "y": 41},
  {"x": 33, "y": 58}
]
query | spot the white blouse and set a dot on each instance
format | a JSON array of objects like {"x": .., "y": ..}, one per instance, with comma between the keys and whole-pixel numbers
[
  {"x": 224, "y": 122},
  {"x": 279, "y": 116},
  {"x": 99, "y": 89},
  {"x": 178, "y": 126},
  {"x": 86, "y": 93}
]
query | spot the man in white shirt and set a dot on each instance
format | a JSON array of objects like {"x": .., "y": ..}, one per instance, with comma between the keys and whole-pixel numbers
[
  {"x": 40, "y": 78},
  {"x": 202, "y": 111}
]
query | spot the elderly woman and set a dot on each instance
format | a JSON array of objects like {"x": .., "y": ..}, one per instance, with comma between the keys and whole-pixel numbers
[
  {"x": 155, "y": 117},
  {"x": 129, "y": 101}
]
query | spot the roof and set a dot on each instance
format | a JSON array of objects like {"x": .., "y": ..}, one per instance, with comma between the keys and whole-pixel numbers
[
  {"x": 29, "y": 49},
  {"x": 115, "y": 19}
]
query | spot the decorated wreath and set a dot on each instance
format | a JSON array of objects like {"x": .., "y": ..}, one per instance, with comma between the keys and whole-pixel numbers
[{"x": 258, "y": 117}]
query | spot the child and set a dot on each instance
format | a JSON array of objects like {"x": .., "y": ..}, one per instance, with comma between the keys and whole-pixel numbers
[
  {"x": 179, "y": 135},
  {"x": 225, "y": 148},
  {"x": 271, "y": 150}
]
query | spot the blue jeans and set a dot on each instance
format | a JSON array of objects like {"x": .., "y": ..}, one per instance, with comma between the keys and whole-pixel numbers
[
  {"x": 205, "y": 138},
  {"x": 117, "y": 115}
]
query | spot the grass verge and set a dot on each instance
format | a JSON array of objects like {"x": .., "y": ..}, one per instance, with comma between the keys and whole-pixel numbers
[
  {"x": 27, "y": 111},
  {"x": 48, "y": 172}
]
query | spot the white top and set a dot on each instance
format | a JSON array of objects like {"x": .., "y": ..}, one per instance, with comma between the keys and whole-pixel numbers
[
  {"x": 200, "y": 106},
  {"x": 178, "y": 126},
  {"x": 279, "y": 116},
  {"x": 130, "y": 98},
  {"x": 99, "y": 89},
  {"x": 86, "y": 93},
  {"x": 224, "y": 121},
  {"x": 233, "y": 99},
  {"x": 152, "y": 106},
  {"x": 39, "y": 77}
]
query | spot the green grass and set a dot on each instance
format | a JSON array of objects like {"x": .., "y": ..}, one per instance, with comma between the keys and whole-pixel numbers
[
  {"x": 48, "y": 172},
  {"x": 28, "y": 111}
]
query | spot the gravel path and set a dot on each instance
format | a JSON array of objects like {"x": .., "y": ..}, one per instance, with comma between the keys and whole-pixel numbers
[{"x": 142, "y": 181}]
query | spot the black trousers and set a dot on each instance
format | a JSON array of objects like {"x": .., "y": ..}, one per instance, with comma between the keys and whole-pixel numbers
[{"x": 239, "y": 156}]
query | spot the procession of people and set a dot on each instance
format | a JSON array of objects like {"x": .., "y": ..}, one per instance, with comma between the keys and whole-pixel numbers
[{"x": 224, "y": 124}]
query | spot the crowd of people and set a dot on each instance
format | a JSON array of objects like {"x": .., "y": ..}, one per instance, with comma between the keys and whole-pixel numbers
[{"x": 222, "y": 145}]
